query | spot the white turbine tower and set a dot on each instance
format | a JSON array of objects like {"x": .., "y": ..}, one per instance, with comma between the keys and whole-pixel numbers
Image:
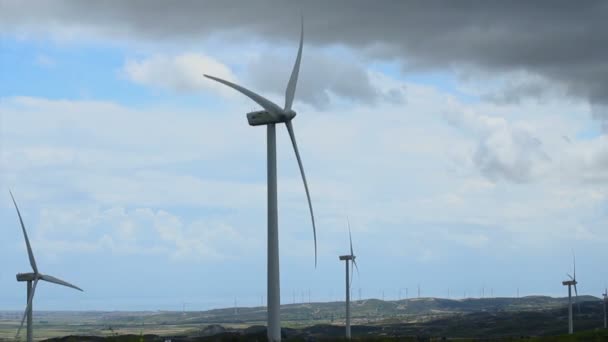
[
  {"x": 270, "y": 116},
  {"x": 350, "y": 258},
  {"x": 570, "y": 283},
  {"x": 33, "y": 277},
  {"x": 605, "y": 295}
]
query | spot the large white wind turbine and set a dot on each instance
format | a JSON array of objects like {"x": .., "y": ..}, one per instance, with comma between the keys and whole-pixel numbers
[
  {"x": 350, "y": 258},
  {"x": 570, "y": 283},
  {"x": 270, "y": 116},
  {"x": 33, "y": 277}
]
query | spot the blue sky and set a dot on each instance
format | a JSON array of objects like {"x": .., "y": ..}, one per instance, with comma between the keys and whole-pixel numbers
[{"x": 142, "y": 183}]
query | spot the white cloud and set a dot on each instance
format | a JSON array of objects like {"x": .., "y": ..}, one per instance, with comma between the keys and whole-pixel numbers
[
  {"x": 140, "y": 231},
  {"x": 504, "y": 150},
  {"x": 587, "y": 160},
  {"x": 180, "y": 73},
  {"x": 510, "y": 87},
  {"x": 170, "y": 188},
  {"x": 95, "y": 133},
  {"x": 45, "y": 61},
  {"x": 382, "y": 164}
]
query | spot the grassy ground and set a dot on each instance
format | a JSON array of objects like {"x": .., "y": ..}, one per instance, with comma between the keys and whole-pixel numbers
[
  {"x": 498, "y": 318},
  {"x": 591, "y": 336}
]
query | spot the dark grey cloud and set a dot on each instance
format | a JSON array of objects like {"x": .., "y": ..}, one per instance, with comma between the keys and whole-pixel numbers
[
  {"x": 514, "y": 93},
  {"x": 322, "y": 76},
  {"x": 563, "y": 41}
]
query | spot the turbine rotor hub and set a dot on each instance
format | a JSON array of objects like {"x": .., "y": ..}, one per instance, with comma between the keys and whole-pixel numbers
[{"x": 290, "y": 114}]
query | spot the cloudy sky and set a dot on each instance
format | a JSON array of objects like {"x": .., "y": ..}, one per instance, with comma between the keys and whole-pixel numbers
[{"x": 467, "y": 143}]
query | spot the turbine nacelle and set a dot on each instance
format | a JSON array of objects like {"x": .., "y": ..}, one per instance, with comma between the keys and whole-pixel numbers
[
  {"x": 347, "y": 257},
  {"x": 27, "y": 276},
  {"x": 264, "y": 117}
]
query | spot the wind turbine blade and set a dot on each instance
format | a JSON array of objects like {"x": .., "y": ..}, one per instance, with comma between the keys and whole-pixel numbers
[
  {"x": 293, "y": 80},
  {"x": 295, "y": 149},
  {"x": 27, "y": 308},
  {"x": 356, "y": 267},
  {"x": 568, "y": 274},
  {"x": 350, "y": 237},
  {"x": 27, "y": 241},
  {"x": 259, "y": 99},
  {"x": 52, "y": 279},
  {"x": 574, "y": 264},
  {"x": 352, "y": 274}
]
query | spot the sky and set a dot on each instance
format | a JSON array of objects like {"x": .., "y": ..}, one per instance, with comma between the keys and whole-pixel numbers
[{"x": 465, "y": 141}]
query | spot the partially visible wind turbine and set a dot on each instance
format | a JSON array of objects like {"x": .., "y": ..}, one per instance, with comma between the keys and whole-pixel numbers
[
  {"x": 605, "y": 295},
  {"x": 570, "y": 283},
  {"x": 33, "y": 277},
  {"x": 270, "y": 116},
  {"x": 349, "y": 258}
]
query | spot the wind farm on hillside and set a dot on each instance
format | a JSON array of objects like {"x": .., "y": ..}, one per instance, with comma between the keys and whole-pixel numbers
[
  {"x": 489, "y": 318},
  {"x": 170, "y": 208}
]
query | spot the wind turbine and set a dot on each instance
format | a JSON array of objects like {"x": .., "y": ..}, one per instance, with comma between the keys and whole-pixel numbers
[
  {"x": 605, "y": 295},
  {"x": 349, "y": 279},
  {"x": 570, "y": 283},
  {"x": 33, "y": 277},
  {"x": 270, "y": 116}
]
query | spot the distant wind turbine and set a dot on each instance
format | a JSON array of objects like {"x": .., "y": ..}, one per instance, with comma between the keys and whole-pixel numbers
[
  {"x": 570, "y": 283},
  {"x": 270, "y": 116},
  {"x": 184, "y": 307},
  {"x": 32, "y": 277},
  {"x": 349, "y": 258},
  {"x": 401, "y": 292},
  {"x": 605, "y": 295}
]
